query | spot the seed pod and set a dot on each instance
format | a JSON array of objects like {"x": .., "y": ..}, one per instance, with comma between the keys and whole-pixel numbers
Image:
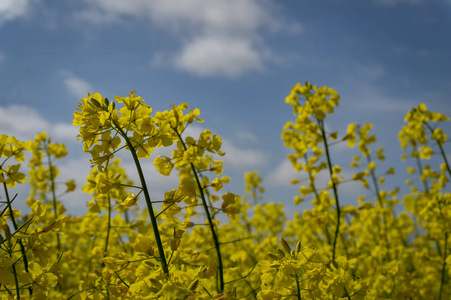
[
  {"x": 193, "y": 285},
  {"x": 285, "y": 245},
  {"x": 95, "y": 102},
  {"x": 7, "y": 231},
  {"x": 298, "y": 247},
  {"x": 273, "y": 256}
]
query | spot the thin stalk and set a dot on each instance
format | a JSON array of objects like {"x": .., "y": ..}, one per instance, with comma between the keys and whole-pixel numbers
[
  {"x": 126, "y": 217},
  {"x": 315, "y": 191},
  {"x": 448, "y": 168},
  {"x": 16, "y": 281},
  {"x": 122, "y": 280},
  {"x": 153, "y": 220},
  {"x": 210, "y": 221},
  {"x": 13, "y": 220},
  {"x": 107, "y": 239},
  {"x": 52, "y": 187},
  {"x": 213, "y": 232},
  {"x": 444, "y": 157},
  {"x": 166, "y": 208},
  {"x": 381, "y": 204},
  {"x": 420, "y": 171},
  {"x": 334, "y": 187},
  {"x": 298, "y": 288},
  {"x": 442, "y": 283}
]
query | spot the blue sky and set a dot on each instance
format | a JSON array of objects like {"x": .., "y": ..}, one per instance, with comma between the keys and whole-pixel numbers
[{"x": 235, "y": 60}]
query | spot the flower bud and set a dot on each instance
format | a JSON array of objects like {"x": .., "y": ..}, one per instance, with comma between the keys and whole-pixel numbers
[
  {"x": 298, "y": 247},
  {"x": 193, "y": 285},
  {"x": 96, "y": 103},
  {"x": 273, "y": 256},
  {"x": 285, "y": 245}
]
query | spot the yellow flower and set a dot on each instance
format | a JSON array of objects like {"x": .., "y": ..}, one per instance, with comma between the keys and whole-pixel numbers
[{"x": 130, "y": 201}]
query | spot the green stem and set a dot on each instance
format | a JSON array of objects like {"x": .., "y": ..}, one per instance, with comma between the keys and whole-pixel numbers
[
  {"x": 381, "y": 204},
  {"x": 153, "y": 220},
  {"x": 298, "y": 288},
  {"x": 52, "y": 187},
  {"x": 420, "y": 171},
  {"x": 107, "y": 239},
  {"x": 442, "y": 283},
  {"x": 444, "y": 157},
  {"x": 13, "y": 220},
  {"x": 448, "y": 168},
  {"x": 210, "y": 221},
  {"x": 122, "y": 280},
  {"x": 16, "y": 281},
  {"x": 315, "y": 191},
  {"x": 346, "y": 293},
  {"x": 334, "y": 187}
]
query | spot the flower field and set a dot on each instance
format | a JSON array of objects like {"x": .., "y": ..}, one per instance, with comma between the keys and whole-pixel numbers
[{"x": 201, "y": 242}]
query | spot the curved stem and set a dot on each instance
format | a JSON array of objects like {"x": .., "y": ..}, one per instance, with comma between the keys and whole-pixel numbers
[
  {"x": 13, "y": 220},
  {"x": 448, "y": 168},
  {"x": 381, "y": 204},
  {"x": 153, "y": 220},
  {"x": 16, "y": 281},
  {"x": 315, "y": 191},
  {"x": 442, "y": 283},
  {"x": 107, "y": 239},
  {"x": 209, "y": 218},
  {"x": 334, "y": 187},
  {"x": 52, "y": 187},
  {"x": 213, "y": 232}
]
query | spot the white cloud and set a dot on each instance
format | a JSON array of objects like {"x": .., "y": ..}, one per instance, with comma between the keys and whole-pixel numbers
[
  {"x": 77, "y": 169},
  {"x": 282, "y": 175},
  {"x": 21, "y": 121},
  {"x": 242, "y": 159},
  {"x": 25, "y": 122},
  {"x": 64, "y": 131},
  {"x": 394, "y": 2},
  {"x": 76, "y": 86},
  {"x": 367, "y": 97},
  {"x": 220, "y": 15},
  {"x": 13, "y": 9},
  {"x": 245, "y": 136},
  {"x": 217, "y": 37},
  {"x": 213, "y": 55}
]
